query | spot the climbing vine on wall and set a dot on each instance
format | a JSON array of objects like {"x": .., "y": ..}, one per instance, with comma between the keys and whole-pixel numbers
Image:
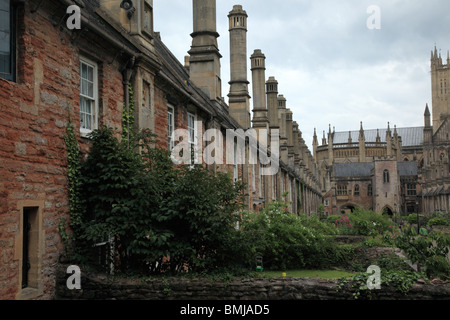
[
  {"x": 73, "y": 174},
  {"x": 128, "y": 117}
]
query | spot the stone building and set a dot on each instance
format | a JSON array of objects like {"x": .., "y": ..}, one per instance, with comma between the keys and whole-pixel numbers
[
  {"x": 49, "y": 73},
  {"x": 416, "y": 158},
  {"x": 436, "y": 147}
]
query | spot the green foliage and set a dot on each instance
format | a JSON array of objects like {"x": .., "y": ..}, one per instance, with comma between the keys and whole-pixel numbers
[
  {"x": 160, "y": 217},
  {"x": 438, "y": 221},
  {"x": 412, "y": 218},
  {"x": 428, "y": 251},
  {"x": 402, "y": 280},
  {"x": 362, "y": 222},
  {"x": 128, "y": 117},
  {"x": 76, "y": 204},
  {"x": 288, "y": 241}
]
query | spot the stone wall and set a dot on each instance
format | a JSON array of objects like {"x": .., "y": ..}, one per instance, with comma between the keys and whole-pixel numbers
[
  {"x": 33, "y": 120},
  {"x": 101, "y": 287}
]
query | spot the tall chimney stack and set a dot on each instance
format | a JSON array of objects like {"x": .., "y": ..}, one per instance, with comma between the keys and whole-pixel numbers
[
  {"x": 204, "y": 62},
  {"x": 260, "y": 112},
  {"x": 239, "y": 99}
]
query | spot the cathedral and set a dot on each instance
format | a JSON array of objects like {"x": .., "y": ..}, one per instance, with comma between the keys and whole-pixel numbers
[{"x": 391, "y": 170}]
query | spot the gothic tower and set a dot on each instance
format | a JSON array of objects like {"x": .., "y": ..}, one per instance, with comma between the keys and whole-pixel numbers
[
  {"x": 204, "y": 62},
  {"x": 238, "y": 97},
  {"x": 440, "y": 88}
]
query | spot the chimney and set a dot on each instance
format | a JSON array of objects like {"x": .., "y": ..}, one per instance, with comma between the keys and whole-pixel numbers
[
  {"x": 283, "y": 128},
  {"x": 258, "y": 68},
  {"x": 239, "y": 99},
  {"x": 204, "y": 62}
]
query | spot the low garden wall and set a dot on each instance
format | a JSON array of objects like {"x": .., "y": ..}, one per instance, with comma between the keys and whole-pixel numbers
[{"x": 100, "y": 287}]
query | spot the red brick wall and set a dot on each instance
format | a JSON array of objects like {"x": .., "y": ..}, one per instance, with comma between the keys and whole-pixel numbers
[{"x": 33, "y": 117}]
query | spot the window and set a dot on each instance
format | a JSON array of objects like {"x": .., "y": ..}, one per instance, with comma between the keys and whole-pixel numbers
[
  {"x": 253, "y": 178},
  {"x": 386, "y": 176},
  {"x": 235, "y": 165},
  {"x": 171, "y": 125},
  {"x": 30, "y": 247},
  {"x": 411, "y": 189},
  {"x": 7, "y": 41},
  {"x": 369, "y": 190},
  {"x": 342, "y": 190},
  {"x": 192, "y": 130},
  {"x": 88, "y": 96},
  {"x": 147, "y": 19},
  {"x": 356, "y": 190}
]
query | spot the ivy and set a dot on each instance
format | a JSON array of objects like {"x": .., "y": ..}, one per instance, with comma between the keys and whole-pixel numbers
[
  {"x": 74, "y": 188},
  {"x": 128, "y": 117}
]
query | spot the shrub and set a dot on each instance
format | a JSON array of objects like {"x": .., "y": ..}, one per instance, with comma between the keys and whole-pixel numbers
[
  {"x": 430, "y": 251},
  {"x": 288, "y": 241},
  {"x": 362, "y": 222},
  {"x": 412, "y": 218},
  {"x": 438, "y": 221},
  {"x": 158, "y": 217}
]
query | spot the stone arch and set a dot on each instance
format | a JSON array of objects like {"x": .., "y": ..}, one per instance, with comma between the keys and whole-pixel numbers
[
  {"x": 347, "y": 208},
  {"x": 387, "y": 210}
]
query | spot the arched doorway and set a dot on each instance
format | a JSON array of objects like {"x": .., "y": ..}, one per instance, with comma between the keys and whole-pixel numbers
[
  {"x": 388, "y": 211},
  {"x": 349, "y": 208}
]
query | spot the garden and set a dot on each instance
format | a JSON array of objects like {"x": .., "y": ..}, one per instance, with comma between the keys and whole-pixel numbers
[{"x": 157, "y": 219}]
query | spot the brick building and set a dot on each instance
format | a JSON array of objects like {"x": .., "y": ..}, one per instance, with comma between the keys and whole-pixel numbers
[{"x": 49, "y": 72}]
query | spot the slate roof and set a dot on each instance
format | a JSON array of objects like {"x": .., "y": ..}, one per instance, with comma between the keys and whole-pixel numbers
[
  {"x": 412, "y": 136},
  {"x": 407, "y": 168},
  {"x": 353, "y": 169},
  {"x": 364, "y": 169}
]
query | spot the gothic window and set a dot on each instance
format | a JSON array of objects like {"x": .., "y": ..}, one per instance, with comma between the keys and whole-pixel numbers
[
  {"x": 356, "y": 193},
  {"x": 7, "y": 40},
  {"x": 342, "y": 190},
  {"x": 386, "y": 176}
]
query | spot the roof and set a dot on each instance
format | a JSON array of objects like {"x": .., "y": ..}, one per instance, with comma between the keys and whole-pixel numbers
[
  {"x": 412, "y": 136},
  {"x": 353, "y": 169},
  {"x": 407, "y": 168},
  {"x": 364, "y": 169}
]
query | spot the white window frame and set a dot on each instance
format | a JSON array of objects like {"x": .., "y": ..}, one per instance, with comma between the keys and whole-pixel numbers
[
  {"x": 93, "y": 99},
  {"x": 170, "y": 125},
  {"x": 193, "y": 139},
  {"x": 235, "y": 164}
]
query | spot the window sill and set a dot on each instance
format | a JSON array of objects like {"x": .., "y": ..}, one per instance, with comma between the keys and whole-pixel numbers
[{"x": 28, "y": 294}]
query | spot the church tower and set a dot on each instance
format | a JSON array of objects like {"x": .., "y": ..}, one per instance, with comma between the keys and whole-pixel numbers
[{"x": 440, "y": 88}]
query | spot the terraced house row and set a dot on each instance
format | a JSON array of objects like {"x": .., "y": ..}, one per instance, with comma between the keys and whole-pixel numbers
[{"x": 49, "y": 72}]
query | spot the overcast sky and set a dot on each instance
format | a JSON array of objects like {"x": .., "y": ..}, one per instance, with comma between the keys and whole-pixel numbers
[{"x": 330, "y": 66}]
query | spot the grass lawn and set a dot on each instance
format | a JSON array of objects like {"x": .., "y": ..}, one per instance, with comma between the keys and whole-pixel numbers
[{"x": 322, "y": 274}]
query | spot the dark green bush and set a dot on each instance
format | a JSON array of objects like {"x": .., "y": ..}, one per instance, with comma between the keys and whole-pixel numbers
[
  {"x": 158, "y": 217},
  {"x": 288, "y": 241},
  {"x": 438, "y": 221}
]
